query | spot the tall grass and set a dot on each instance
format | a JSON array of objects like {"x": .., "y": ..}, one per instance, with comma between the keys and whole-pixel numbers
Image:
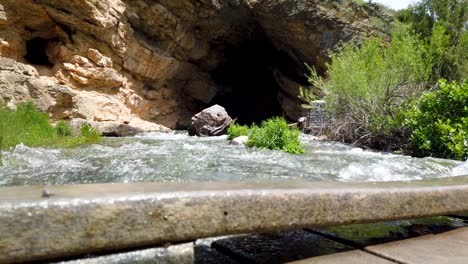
[{"x": 26, "y": 125}]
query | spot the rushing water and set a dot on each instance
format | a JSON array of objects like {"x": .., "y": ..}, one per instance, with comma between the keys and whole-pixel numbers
[{"x": 177, "y": 157}]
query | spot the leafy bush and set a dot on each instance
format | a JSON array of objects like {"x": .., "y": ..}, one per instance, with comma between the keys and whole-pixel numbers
[
  {"x": 274, "y": 134},
  {"x": 438, "y": 122},
  {"x": 236, "y": 130},
  {"x": 367, "y": 85}
]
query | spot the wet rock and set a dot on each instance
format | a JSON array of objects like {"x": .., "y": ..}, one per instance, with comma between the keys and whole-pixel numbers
[
  {"x": 212, "y": 121},
  {"x": 302, "y": 123},
  {"x": 240, "y": 141}
]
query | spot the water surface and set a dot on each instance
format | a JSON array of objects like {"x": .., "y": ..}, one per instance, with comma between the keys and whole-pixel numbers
[{"x": 176, "y": 157}]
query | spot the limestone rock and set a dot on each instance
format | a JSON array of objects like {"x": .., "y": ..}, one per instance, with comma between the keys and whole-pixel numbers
[
  {"x": 163, "y": 61},
  {"x": 212, "y": 121},
  {"x": 89, "y": 76},
  {"x": 118, "y": 129},
  {"x": 20, "y": 83},
  {"x": 94, "y": 106}
]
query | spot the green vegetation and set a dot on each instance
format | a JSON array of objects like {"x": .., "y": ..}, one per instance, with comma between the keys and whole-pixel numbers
[
  {"x": 236, "y": 130},
  {"x": 89, "y": 134},
  {"x": 443, "y": 24},
  {"x": 386, "y": 94},
  {"x": 27, "y": 126},
  {"x": 367, "y": 85},
  {"x": 63, "y": 129},
  {"x": 274, "y": 134},
  {"x": 438, "y": 122}
]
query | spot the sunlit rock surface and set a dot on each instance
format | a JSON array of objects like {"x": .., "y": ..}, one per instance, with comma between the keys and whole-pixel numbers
[{"x": 163, "y": 61}]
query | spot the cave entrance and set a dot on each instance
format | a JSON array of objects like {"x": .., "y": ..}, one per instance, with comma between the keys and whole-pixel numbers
[
  {"x": 246, "y": 85},
  {"x": 36, "y": 51}
]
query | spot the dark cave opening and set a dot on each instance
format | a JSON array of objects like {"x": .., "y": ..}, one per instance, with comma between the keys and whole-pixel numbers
[
  {"x": 246, "y": 84},
  {"x": 36, "y": 51}
]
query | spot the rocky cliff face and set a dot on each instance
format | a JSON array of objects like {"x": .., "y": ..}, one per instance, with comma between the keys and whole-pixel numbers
[{"x": 163, "y": 61}]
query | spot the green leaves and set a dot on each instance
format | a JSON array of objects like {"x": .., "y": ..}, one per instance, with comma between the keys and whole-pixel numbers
[
  {"x": 274, "y": 134},
  {"x": 369, "y": 85},
  {"x": 442, "y": 24},
  {"x": 438, "y": 122},
  {"x": 236, "y": 130}
]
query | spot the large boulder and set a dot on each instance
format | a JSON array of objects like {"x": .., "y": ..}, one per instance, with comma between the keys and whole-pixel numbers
[{"x": 212, "y": 121}]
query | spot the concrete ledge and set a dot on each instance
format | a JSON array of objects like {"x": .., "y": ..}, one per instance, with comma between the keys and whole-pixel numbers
[{"x": 80, "y": 219}]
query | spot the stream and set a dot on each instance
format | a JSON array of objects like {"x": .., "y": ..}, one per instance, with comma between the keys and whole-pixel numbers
[{"x": 177, "y": 157}]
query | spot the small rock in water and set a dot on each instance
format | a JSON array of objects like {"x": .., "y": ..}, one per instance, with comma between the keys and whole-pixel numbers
[
  {"x": 241, "y": 140},
  {"x": 302, "y": 123},
  {"x": 46, "y": 193}
]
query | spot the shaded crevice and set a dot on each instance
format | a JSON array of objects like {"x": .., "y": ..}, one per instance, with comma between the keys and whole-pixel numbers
[
  {"x": 245, "y": 79},
  {"x": 36, "y": 51}
]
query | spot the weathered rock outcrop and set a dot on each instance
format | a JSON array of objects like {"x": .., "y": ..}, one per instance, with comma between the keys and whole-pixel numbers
[{"x": 163, "y": 61}]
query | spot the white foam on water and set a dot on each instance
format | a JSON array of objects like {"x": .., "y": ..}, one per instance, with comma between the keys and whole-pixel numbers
[
  {"x": 216, "y": 138},
  {"x": 460, "y": 170},
  {"x": 177, "y": 157},
  {"x": 378, "y": 172},
  {"x": 163, "y": 136},
  {"x": 23, "y": 156}
]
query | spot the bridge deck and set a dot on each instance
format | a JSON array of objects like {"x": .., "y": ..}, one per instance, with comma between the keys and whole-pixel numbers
[{"x": 448, "y": 247}]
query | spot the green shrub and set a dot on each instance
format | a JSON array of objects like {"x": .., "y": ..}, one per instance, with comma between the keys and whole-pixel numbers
[
  {"x": 277, "y": 135},
  {"x": 274, "y": 134},
  {"x": 367, "y": 85},
  {"x": 63, "y": 129},
  {"x": 438, "y": 122},
  {"x": 236, "y": 130}
]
